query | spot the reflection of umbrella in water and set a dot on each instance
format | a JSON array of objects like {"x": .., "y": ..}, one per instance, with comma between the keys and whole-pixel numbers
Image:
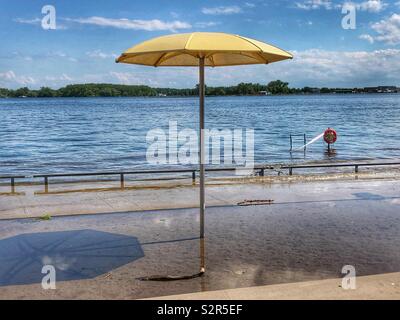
[
  {"x": 202, "y": 49},
  {"x": 75, "y": 255}
]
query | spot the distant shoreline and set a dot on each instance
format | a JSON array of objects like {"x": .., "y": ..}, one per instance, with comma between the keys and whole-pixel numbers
[
  {"x": 273, "y": 88},
  {"x": 211, "y": 96}
]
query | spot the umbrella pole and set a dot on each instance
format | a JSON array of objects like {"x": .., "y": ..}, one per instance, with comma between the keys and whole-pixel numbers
[
  {"x": 202, "y": 164},
  {"x": 202, "y": 187}
]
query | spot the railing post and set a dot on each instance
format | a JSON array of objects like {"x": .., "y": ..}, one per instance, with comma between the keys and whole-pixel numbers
[
  {"x": 194, "y": 177},
  {"x": 290, "y": 171},
  {"x": 46, "y": 184},
  {"x": 12, "y": 185},
  {"x": 122, "y": 179}
]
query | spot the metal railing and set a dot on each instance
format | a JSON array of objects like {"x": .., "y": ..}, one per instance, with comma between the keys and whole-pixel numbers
[
  {"x": 296, "y": 136},
  {"x": 12, "y": 181},
  {"x": 259, "y": 169},
  {"x": 337, "y": 165},
  {"x": 122, "y": 175}
]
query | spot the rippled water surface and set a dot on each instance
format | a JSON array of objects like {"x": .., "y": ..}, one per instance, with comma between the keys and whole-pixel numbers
[{"x": 91, "y": 134}]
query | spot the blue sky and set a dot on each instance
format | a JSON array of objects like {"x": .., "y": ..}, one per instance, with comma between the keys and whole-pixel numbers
[{"x": 90, "y": 34}]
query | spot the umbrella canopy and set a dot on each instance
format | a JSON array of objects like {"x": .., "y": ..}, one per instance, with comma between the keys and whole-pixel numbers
[
  {"x": 211, "y": 49},
  {"x": 218, "y": 49}
]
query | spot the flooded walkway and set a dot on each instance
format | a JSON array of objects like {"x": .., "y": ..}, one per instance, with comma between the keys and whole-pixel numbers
[
  {"x": 309, "y": 233},
  {"x": 107, "y": 196}
]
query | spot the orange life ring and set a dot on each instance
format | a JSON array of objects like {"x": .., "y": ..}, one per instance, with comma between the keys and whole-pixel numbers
[{"x": 330, "y": 136}]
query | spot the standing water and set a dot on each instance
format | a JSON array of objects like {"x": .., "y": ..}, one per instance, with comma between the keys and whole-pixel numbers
[{"x": 92, "y": 134}]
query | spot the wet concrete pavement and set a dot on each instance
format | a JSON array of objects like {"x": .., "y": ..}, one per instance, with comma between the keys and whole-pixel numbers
[
  {"x": 310, "y": 232},
  {"x": 93, "y": 197},
  {"x": 375, "y": 287}
]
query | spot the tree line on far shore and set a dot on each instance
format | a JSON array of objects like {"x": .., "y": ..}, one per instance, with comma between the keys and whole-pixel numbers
[{"x": 276, "y": 87}]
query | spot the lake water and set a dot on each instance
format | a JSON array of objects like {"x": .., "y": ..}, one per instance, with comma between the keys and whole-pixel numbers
[{"x": 92, "y": 134}]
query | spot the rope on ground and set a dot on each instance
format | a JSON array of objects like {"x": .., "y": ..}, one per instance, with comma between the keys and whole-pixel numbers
[
  {"x": 255, "y": 202},
  {"x": 171, "y": 278}
]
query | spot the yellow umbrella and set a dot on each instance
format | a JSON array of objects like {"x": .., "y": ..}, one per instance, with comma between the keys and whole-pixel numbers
[{"x": 202, "y": 49}]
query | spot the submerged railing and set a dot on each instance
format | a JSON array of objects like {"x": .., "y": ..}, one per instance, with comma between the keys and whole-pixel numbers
[
  {"x": 258, "y": 169},
  {"x": 337, "y": 165},
  {"x": 12, "y": 181}
]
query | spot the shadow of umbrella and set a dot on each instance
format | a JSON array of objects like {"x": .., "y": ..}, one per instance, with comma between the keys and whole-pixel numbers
[
  {"x": 368, "y": 196},
  {"x": 75, "y": 255}
]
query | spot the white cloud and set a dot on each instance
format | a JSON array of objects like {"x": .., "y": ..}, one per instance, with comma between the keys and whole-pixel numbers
[
  {"x": 60, "y": 55},
  {"x": 162, "y": 77},
  {"x": 314, "y": 4},
  {"x": 222, "y": 10},
  {"x": 312, "y": 67},
  {"x": 101, "y": 55},
  {"x": 206, "y": 24},
  {"x": 320, "y": 68},
  {"x": 66, "y": 77},
  {"x": 374, "y": 6},
  {"x": 307, "y": 23},
  {"x": 42, "y": 56},
  {"x": 38, "y": 22},
  {"x": 124, "y": 77},
  {"x": 348, "y": 68},
  {"x": 367, "y": 37},
  {"x": 368, "y": 5},
  {"x": 10, "y": 78},
  {"x": 136, "y": 24},
  {"x": 249, "y": 5},
  {"x": 22, "y": 56},
  {"x": 35, "y": 21},
  {"x": 63, "y": 78},
  {"x": 388, "y": 30}
]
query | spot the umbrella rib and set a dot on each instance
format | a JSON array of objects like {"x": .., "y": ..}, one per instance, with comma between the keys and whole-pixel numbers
[
  {"x": 188, "y": 41},
  {"x": 258, "y": 53},
  {"x": 249, "y": 42},
  {"x": 212, "y": 60},
  {"x": 211, "y": 57},
  {"x": 165, "y": 58},
  {"x": 261, "y": 50},
  {"x": 159, "y": 59},
  {"x": 262, "y": 59}
]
